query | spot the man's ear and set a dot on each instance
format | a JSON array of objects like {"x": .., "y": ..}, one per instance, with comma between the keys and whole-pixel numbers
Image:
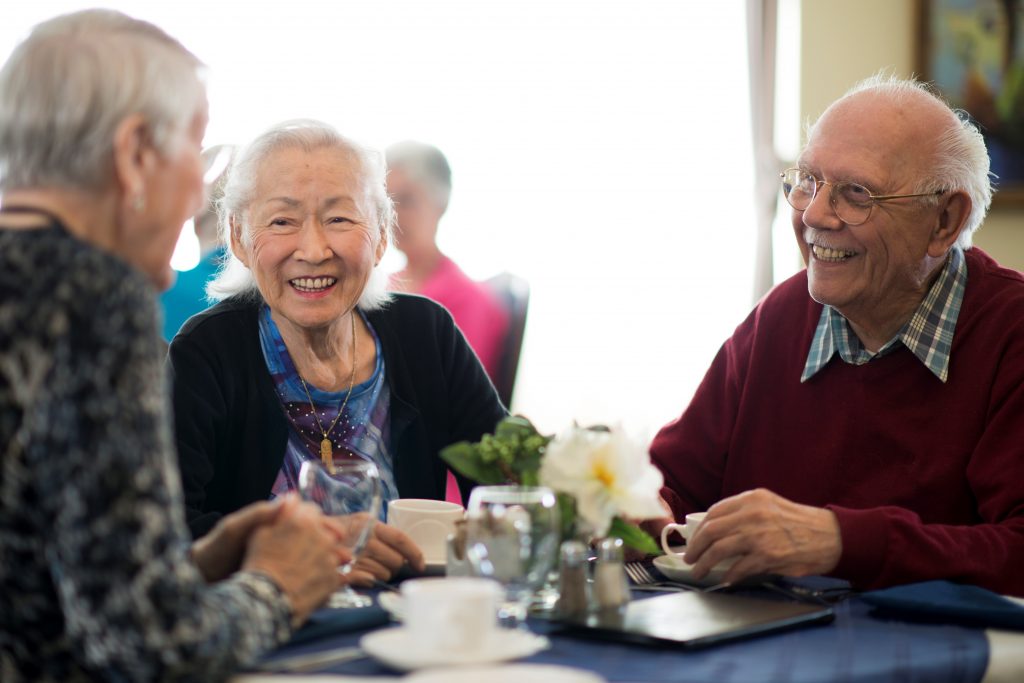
[
  {"x": 952, "y": 218},
  {"x": 134, "y": 156},
  {"x": 237, "y": 248}
]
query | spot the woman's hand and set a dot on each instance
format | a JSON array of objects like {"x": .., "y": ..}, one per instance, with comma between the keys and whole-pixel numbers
[
  {"x": 219, "y": 553},
  {"x": 387, "y": 551}
]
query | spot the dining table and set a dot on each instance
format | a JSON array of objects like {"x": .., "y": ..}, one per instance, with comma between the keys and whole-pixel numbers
[{"x": 860, "y": 645}]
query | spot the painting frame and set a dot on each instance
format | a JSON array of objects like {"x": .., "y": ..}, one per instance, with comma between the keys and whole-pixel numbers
[{"x": 972, "y": 51}]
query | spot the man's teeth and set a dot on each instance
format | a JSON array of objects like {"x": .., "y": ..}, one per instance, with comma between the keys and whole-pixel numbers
[
  {"x": 828, "y": 254},
  {"x": 312, "y": 284}
]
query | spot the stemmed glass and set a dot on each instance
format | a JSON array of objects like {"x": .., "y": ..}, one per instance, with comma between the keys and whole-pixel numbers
[
  {"x": 512, "y": 537},
  {"x": 351, "y": 491}
]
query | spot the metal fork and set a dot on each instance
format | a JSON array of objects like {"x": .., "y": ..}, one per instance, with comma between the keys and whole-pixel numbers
[{"x": 639, "y": 574}]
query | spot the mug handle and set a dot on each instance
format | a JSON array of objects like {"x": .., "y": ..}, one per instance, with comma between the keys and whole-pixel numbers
[{"x": 669, "y": 528}]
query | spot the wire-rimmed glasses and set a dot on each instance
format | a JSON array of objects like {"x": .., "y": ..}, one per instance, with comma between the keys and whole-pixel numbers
[{"x": 851, "y": 201}]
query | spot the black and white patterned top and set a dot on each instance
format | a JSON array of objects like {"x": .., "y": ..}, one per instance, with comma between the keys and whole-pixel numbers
[{"x": 95, "y": 579}]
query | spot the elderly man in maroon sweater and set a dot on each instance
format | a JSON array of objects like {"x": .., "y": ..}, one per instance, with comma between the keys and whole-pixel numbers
[{"x": 866, "y": 420}]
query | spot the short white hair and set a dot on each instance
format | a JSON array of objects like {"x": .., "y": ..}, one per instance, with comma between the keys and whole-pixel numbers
[
  {"x": 425, "y": 165},
  {"x": 961, "y": 161},
  {"x": 68, "y": 86},
  {"x": 235, "y": 278}
]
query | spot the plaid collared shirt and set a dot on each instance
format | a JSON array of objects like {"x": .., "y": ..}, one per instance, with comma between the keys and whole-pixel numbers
[{"x": 928, "y": 334}]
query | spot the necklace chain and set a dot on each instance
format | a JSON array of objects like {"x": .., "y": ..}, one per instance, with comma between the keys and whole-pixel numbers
[{"x": 326, "y": 447}]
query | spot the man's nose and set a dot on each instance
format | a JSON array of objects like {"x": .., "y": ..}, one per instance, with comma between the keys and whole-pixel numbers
[{"x": 820, "y": 213}]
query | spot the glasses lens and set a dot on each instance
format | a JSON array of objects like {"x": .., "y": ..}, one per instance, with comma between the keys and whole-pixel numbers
[
  {"x": 852, "y": 202},
  {"x": 798, "y": 188}
]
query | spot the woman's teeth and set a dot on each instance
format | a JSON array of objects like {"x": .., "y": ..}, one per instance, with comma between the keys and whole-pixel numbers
[
  {"x": 828, "y": 254},
  {"x": 312, "y": 284}
]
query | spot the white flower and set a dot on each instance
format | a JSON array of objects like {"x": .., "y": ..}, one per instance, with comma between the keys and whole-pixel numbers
[{"x": 606, "y": 472}]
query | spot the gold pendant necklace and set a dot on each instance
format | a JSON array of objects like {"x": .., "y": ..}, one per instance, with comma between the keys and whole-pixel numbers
[{"x": 326, "y": 448}]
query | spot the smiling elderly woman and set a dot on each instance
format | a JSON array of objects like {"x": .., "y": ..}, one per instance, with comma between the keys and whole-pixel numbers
[{"x": 306, "y": 353}]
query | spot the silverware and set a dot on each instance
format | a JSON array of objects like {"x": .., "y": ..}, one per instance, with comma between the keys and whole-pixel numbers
[
  {"x": 313, "y": 661},
  {"x": 639, "y": 574}
]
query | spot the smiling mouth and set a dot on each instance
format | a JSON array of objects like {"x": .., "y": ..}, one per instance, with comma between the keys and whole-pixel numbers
[
  {"x": 830, "y": 255},
  {"x": 312, "y": 284}
]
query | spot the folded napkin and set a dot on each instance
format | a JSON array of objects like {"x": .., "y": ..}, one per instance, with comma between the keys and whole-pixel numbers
[
  {"x": 949, "y": 602},
  {"x": 328, "y": 622}
]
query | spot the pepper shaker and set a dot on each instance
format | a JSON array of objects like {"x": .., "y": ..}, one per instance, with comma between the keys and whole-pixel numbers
[
  {"x": 610, "y": 583},
  {"x": 573, "y": 588}
]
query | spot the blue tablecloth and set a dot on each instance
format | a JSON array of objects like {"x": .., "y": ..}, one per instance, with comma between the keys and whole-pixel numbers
[{"x": 857, "y": 647}]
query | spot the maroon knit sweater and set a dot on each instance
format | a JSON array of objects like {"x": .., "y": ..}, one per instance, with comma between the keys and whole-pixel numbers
[{"x": 926, "y": 478}]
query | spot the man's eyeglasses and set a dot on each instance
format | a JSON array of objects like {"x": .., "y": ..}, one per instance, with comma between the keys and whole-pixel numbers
[{"x": 852, "y": 202}]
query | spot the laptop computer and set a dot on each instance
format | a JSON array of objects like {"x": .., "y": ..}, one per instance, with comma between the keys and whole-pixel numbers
[{"x": 692, "y": 619}]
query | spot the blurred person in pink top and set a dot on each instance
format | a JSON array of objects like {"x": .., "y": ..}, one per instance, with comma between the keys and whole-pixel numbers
[{"x": 420, "y": 183}]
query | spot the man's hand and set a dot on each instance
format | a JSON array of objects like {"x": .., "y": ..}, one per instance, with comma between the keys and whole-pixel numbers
[
  {"x": 767, "y": 534},
  {"x": 301, "y": 552},
  {"x": 387, "y": 551},
  {"x": 219, "y": 553}
]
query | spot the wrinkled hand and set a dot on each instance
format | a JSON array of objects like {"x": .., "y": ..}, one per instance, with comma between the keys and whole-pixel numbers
[
  {"x": 767, "y": 534},
  {"x": 219, "y": 553},
  {"x": 387, "y": 551},
  {"x": 300, "y": 551}
]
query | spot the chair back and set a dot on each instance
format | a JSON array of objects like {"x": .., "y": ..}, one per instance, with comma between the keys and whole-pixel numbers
[{"x": 514, "y": 294}]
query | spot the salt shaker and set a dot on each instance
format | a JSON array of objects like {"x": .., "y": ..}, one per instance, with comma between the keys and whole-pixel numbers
[
  {"x": 573, "y": 588},
  {"x": 610, "y": 583}
]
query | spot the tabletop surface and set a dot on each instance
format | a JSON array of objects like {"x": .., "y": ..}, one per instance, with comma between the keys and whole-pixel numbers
[{"x": 858, "y": 646}]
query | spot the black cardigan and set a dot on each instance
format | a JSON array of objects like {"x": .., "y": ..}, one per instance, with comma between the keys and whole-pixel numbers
[{"x": 231, "y": 428}]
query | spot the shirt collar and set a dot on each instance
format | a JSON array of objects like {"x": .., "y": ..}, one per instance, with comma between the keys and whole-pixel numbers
[{"x": 928, "y": 334}]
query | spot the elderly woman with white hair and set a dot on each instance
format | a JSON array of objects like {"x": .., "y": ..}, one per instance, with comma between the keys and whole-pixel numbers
[
  {"x": 101, "y": 121},
  {"x": 306, "y": 352}
]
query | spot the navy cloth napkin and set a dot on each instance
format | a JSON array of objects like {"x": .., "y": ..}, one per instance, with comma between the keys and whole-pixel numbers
[
  {"x": 327, "y": 622},
  {"x": 949, "y": 602}
]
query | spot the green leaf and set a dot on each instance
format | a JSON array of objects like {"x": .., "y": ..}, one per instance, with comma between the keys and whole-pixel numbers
[
  {"x": 464, "y": 459},
  {"x": 633, "y": 536}
]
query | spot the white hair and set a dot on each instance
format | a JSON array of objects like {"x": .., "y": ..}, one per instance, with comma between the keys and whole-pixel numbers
[
  {"x": 68, "y": 86},
  {"x": 426, "y": 165},
  {"x": 961, "y": 161},
  {"x": 235, "y": 278}
]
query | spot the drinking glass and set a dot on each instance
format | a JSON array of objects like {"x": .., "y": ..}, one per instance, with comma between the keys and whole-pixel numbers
[
  {"x": 351, "y": 491},
  {"x": 512, "y": 537}
]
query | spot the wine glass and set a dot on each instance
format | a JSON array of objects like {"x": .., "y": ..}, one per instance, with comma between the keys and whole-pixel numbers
[
  {"x": 351, "y": 491},
  {"x": 512, "y": 537}
]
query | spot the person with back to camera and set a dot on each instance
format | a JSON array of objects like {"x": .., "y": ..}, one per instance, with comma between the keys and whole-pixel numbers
[
  {"x": 865, "y": 420},
  {"x": 305, "y": 323},
  {"x": 187, "y": 296},
  {"x": 101, "y": 123}
]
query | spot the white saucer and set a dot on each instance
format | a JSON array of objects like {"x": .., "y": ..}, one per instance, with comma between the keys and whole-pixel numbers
[
  {"x": 399, "y": 649},
  {"x": 675, "y": 568},
  {"x": 506, "y": 673}
]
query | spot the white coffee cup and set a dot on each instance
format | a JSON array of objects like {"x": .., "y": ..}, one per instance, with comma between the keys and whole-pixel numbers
[
  {"x": 693, "y": 522},
  {"x": 450, "y": 614},
  {"x": 427, "y": 523}
]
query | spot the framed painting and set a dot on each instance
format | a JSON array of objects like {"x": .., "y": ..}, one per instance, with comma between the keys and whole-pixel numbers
[{"x": 973, "y": 51}]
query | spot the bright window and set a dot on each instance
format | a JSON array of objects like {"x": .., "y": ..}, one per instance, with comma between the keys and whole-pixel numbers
[{"x": 599, "y": 149}]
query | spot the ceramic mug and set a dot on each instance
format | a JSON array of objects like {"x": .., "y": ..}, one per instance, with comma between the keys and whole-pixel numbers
[
  {"x": 450, "y": 614},
  {"x": 693, "y": 522},
  {"x": 427, "y": 522}
]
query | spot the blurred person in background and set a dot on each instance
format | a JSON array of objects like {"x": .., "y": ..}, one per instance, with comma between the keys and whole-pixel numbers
[
  {"x": 187, "y": 296},
  {"x": 101, "y": 123},
  {"x": 307, "y": 353},
  {"x": 420, "y": 183}
]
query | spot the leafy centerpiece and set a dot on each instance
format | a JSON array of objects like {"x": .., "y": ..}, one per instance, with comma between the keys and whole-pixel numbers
[{"x": 601, "y": 475}]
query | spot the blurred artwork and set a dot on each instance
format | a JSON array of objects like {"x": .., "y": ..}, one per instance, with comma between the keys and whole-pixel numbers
[{"x": 973, "y": 50}]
